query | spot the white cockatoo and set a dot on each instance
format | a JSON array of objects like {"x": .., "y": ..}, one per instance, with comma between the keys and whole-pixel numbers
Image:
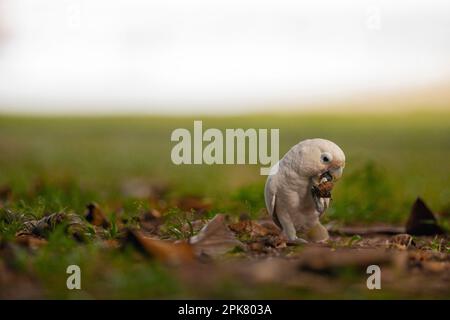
[{"x": 289, "y": 192}]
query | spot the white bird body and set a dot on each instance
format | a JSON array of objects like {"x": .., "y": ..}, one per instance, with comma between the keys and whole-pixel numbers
[{"x": 288, "y": 194}]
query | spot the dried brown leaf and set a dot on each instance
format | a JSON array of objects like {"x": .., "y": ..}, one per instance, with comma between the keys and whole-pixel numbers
[
  {"x": 401, "y": 241},
  {"x": 271, "y": 226},
  {"x": 267, "y": 244},
  {"x": 422, "y": 221},
  {"x": 30, "y": 241},
  {"x": 215, "y": 238},
  {"x": 151, "y": 220},
  {"x": 42, "y": 227},
  {"x": 252, "y": 228},
  {"x": 96, "y": 216},
  {"x": 165, "y": 251}
]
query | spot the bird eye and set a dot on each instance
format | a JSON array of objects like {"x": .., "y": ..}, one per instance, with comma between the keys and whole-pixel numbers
[{"x": 326, "y": 157}]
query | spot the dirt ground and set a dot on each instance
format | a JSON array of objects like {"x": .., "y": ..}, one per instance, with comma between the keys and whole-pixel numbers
[{"x": 246, "y": 259}]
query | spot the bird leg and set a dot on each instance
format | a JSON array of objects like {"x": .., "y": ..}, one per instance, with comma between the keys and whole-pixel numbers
[{"x": 289, "y": 229}]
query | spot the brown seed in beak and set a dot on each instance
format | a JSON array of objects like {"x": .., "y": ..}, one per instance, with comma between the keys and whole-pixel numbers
[{"x": 323, "y": 190}]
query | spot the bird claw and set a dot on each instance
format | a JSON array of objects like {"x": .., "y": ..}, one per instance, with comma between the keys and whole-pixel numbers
[
  {"x": 296, "y": 241},
  {"x": 321, "y": 204}
]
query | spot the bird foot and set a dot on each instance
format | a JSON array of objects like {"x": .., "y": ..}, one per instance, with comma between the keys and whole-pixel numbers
[{"x": 296, "y": 241}]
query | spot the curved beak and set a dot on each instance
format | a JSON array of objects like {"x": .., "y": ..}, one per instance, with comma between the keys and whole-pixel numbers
[{"x": 336, "y": 173}]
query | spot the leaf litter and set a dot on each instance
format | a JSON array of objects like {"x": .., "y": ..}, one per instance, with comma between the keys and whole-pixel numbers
[{"x": 254, "y": 252}]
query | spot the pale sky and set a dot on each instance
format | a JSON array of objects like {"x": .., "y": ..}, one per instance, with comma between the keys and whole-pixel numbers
[{"x": 178, "y": 56}]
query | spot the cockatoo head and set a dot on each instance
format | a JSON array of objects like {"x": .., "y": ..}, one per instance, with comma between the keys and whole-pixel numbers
[{"x": 319, "y": 158}]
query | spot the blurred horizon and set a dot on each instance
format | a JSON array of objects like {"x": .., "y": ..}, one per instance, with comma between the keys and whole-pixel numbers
[{"x": 176, "y": 58}]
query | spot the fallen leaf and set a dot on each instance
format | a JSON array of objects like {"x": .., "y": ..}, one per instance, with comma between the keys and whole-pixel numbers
[
  {"x": 44, "y": 226},
  {"x": 267, "y": 244},
  {"x": 271, "y": 226},
  {"x": 30, "y": 241},
  {"x": 215, "y": 238},
  {"x": 422, "y": 221},
  {"x": 150, "y": 221},
  {"x": 165, "y": 251},
  {"x": 111, "y": 244},
  {"x": 96, "y": 216},
  {"x": 252, "y": 228},
  {"x": 401, "y": 241},
  {"x": 257, "y": 246},
  {"x": 261, "y": 237}
]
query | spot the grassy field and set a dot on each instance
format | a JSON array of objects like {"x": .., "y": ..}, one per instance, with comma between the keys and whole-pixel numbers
[{"x": 60, "y": 164}]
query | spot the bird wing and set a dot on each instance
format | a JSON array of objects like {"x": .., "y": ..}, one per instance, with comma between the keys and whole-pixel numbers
[
  {"x": 271, "y": 199},
  {"x": 270, "y": 196}
]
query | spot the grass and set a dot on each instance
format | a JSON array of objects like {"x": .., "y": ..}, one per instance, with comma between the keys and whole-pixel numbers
[{"x": 61, "y": 164}]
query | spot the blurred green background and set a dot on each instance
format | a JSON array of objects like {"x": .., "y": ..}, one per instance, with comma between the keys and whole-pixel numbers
[{"x": 391, "y": 159}]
